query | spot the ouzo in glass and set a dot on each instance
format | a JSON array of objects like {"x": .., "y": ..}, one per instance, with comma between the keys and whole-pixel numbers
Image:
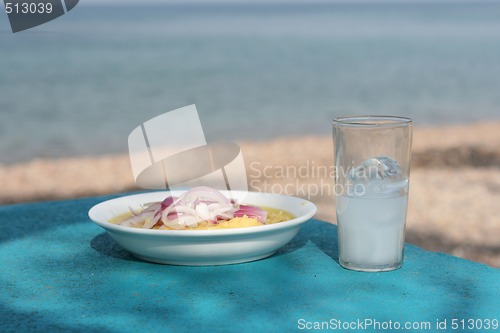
[{"x": 372, "y": 168}]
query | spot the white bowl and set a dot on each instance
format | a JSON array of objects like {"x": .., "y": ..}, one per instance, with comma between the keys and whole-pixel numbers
[{"x": 204, "y": 247}]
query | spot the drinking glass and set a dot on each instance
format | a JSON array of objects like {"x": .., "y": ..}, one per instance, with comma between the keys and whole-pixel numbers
[{"x": 372, "y": 168}]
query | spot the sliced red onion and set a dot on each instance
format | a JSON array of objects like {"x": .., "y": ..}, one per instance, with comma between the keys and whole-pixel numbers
[
  {"x": 203, "y": 194},
  {"x": 136, "y": 220},
  {"x": 167, "y": 202},
  {"x": 150, "y": 223},
  {"x": 253, "y": 212},
  {"x": 196, "y": 205},
  {"x": 134, "y": 211}
]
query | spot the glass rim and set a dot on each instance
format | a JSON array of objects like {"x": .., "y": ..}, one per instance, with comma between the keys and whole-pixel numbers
[{"x": 372, "y": 121}]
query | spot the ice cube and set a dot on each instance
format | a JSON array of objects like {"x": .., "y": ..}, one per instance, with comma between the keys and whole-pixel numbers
[
  {"x": 379, "y": 175},
  {"x": 376, "y": 168}
]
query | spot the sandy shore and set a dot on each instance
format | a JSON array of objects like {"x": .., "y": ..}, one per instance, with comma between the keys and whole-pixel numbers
[{"x": 454, "y": 204}]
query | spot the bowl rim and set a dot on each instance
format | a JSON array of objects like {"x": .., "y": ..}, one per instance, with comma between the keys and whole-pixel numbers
[{"x": 310, "y": 213}]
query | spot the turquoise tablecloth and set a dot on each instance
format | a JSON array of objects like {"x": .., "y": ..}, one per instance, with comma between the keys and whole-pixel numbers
[{"x": 60, "y": 272}]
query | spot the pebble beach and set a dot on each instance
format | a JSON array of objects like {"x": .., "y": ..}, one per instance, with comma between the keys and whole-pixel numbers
[{"x": 454, "y": 200}]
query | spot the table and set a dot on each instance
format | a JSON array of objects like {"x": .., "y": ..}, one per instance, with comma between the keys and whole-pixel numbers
[{"x": 60, "y": 272}]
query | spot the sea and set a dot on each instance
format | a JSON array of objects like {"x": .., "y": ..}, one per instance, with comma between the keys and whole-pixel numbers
[{"x": 78, "y": 85}]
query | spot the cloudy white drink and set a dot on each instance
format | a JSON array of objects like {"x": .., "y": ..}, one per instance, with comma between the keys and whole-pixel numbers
[{"x": 371, "y": 230}]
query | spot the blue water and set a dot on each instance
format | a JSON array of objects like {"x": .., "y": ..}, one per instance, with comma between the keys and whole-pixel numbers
[{"x": 79, "y": 84}]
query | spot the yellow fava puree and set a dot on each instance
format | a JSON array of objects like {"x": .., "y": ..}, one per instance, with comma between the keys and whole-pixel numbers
[{"x": 273, "y": 216}]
